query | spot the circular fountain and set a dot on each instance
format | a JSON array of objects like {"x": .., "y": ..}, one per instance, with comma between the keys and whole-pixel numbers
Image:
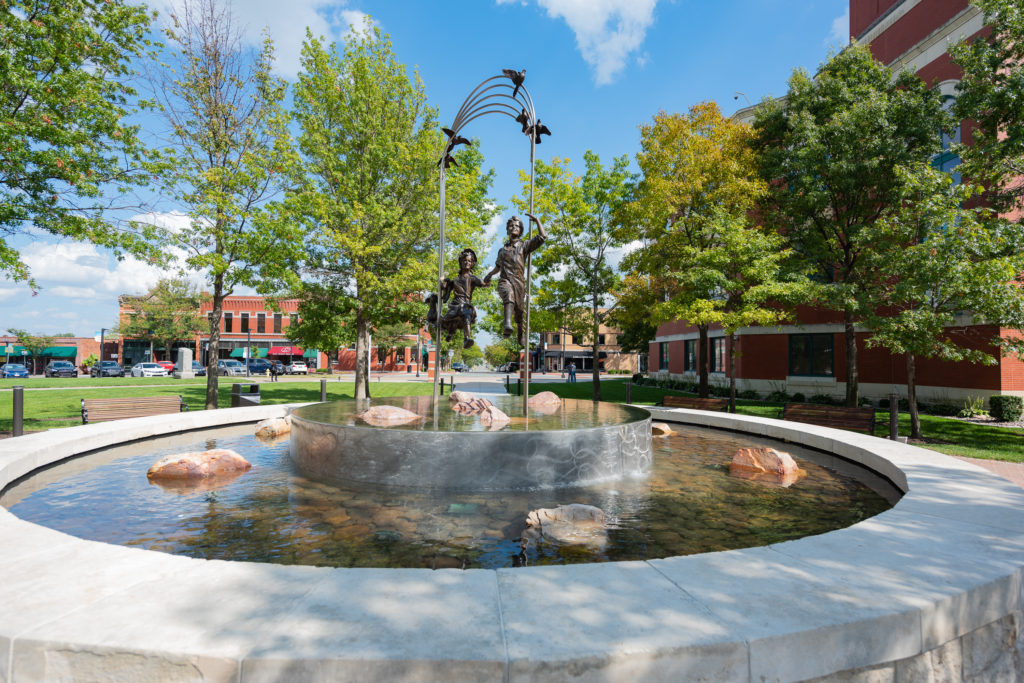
[{"x": 575, "y": 443}]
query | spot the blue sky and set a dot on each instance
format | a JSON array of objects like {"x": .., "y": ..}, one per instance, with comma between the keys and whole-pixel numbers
[{"x": 597, "y": 70}]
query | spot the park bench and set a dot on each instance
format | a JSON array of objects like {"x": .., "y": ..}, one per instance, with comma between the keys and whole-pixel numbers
[
  {"x": 841, "y": 417},
  {"x": 694, "y": 402},
  {"x": 104, "y": 409}
]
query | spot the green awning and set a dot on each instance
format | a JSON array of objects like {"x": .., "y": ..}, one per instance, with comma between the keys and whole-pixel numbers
[
  {"x": 240, "y": 353},
  {"x": 60, "y": 351},
  {"x": 311, "y": 353},
  {"x": 16, "y": 350}
]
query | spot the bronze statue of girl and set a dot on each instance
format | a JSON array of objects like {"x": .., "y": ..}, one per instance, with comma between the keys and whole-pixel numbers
[{"x": 511, "y": 267}]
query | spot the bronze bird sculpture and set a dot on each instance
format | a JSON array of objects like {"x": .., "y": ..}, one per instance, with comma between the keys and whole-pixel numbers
[
  {"x": 454, "y": 140},
  {"x": 537, "y": 130},
  {"x": 517, "y": 78},
  {"x": 524, "y": 120},
  {"x": 448, "y": 160}
]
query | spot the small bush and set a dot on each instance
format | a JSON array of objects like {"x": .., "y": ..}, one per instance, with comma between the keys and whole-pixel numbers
[
  {"x": 823, "y": 399},
  {"x": 1006, "y": 408},
  {"x": 323, "y": 371},
  {"x": 974, "y": 406},
  {"x": 778, "y": 396},
  {"x": 798, "y": 397},
  {"x": 865, "y": 402},
  {"x": 904, "y": 405},
  {"x": 941, "y": 409},
  {"x": 638, "y": 378},
  {"x": 748, "y": 395},
  {"x": 716, "y": 390}
]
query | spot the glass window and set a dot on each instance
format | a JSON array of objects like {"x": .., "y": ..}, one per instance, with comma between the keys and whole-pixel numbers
[
  {"x": 811, "y": 355},
  {"x": 690, "y": 355},
  {"x": 277, "y": 323},
  {"x": 245, "y": 323},
  {"x": 227, "y": 322},
  {"x": 600, "y": 339},
  {"x": 555, "y": 339},
  {"x": 663, "y": 356},
  {"x": 947, "y": 160},
  {"x": 717, "y": 354},
  {"x": 261, "y": 323}
]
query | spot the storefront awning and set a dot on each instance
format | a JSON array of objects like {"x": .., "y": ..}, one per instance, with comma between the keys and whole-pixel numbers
[
  {"x": 552, "y": 353},
  {"x": 13, "y": 350},
  {"x": 240, "y": 353},
  {"x": 60, "y": 351},
  {"x": 285, "y": 351},
  {"x": 311, "y": 353}
]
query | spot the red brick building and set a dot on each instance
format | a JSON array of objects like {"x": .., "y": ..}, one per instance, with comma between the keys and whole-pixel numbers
[{"x": 809, "y": 357}]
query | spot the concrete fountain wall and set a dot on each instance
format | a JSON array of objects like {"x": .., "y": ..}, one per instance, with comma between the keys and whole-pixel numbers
[{"x": 931, "y": 589}]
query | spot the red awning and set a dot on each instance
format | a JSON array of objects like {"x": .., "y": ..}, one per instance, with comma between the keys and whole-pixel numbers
[{"x": 284, "y": 351}]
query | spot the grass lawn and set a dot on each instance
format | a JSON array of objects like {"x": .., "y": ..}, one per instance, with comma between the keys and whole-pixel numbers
[
  {"x": 63, "y": 407},
  {"x": 953, "y": 437}
]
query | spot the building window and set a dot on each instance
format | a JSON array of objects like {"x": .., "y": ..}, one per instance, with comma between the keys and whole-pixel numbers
[
  {"x": 261, "y": 323},
  {"x": 717, "y": 354},
  {"x": 600, "y": 339},
  {"x": 245, "y": 323},
  {"x": 555, "y": 339},
  {"x": 947, "y": 160},
  {"x": 690, "y": 355},
  {"x": 227, "y": 322},
  {"x": 663, "y": 356},
  {"x": 811, "y": 355},
  {"x": 277, "y": 323}
]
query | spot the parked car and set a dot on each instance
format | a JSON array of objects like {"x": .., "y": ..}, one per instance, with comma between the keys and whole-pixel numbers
[
  {"x": 13, "y": 370},
  {"x": 166, "y": 365},
  {"x": 60, "y": 368},
  {"x": 459, "y": 367},
  {"x": 149, "y": 370},
  {"x": 296, "y": 367},
  {"x": 107, "y": 368},
  {"x": 198, "y": 369},
  {"x": 231, "y": 368},
  {"x": 258, "y": 366}
]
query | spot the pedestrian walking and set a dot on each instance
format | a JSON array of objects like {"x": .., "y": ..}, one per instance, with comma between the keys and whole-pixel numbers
[
  {"x": 273, "y": 372},
  {"x": 572, "y": 371}
]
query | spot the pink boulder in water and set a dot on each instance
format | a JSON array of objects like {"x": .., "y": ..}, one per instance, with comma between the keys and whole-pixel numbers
[
  {"x": 575, "y": 523},
  {"x": 460, "y": 396},
  {"x": 196, "y": 464},
  {"x": 472, "y": 406},
  {"x": 766, "y": 465},
  {"x": 493, "y": 418},
  {"x": 273, "y": 427},
  {"x": 544, "y": 398},
  {"x": 385, "y": 416}
]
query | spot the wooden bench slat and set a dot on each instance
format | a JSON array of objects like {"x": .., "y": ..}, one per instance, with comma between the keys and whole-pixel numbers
[
  {"x": 858, "y": 419},
  {"x": 103, "y": 409},
  {"x": 694, "y": 402}
]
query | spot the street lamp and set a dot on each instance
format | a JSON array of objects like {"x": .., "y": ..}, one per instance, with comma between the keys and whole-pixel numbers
[{"x": 103, "y": 330}]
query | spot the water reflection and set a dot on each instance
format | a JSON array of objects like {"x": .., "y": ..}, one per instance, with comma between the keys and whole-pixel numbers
[{"x": 688, "y": 504}]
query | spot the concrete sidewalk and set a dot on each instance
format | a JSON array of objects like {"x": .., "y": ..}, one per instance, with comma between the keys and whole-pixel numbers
[{"x": 1014, "y": 471}]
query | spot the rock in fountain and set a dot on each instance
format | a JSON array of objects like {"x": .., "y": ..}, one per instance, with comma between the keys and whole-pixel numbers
[
  {"x": 197, "y": 464},
  {"x": 545, "y": 399},
  {"x": 575, "y": 524},
  {"x": 766, "y": 465},
  {"x": 385, "y": 416},
  {"x": 273, "y": 427}
]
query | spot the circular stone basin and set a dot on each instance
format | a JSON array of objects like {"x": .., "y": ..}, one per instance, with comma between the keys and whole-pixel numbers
[{"x": 576, "y": 443}]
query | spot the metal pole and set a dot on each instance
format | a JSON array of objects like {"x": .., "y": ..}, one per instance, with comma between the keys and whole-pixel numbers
[
  {"x": 629, "y": 391},
  {"x": 419, "y": 353},
  {"x": 99, "y": 373},
  {"x": 248, "y": 346},
  {"x": 894, "y": 416},
  {"x": 440, "y": 277},
  {"x": 529, "y": 267},
  {"x": 323, "y": 391},
  {"x": 18, "y": 410}
]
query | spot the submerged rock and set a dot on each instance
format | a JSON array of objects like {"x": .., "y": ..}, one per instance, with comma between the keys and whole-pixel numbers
[
  {"x": 383, "y": 416},
  {"x": 661, "y": 429},
  {"x": 471, "y": 405},
  {"x": 766, "y": 465},
  {"x": 273, "y": 427},
  {"x": 576, "y": 524},
  {"x": 212, "y": 463},
  {"x": 460, "y": 396},
  {"x": 493, "y": 418},
  {"x": 544, "y": 399}
]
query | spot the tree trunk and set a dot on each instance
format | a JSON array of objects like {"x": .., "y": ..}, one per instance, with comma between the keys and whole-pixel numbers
[
  {"x": 850, "y": 334},
  {"x": 915, "y": 417},
  {"x": 732, "y": 372},
  {"x": 596, "y": 374},
  {"x": 702, "y": 360},
  {"x": 214, "y": 350},
  {"x": 362, "y": 387}
]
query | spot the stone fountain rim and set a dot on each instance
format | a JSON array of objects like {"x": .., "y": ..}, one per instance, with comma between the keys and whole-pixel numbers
[{"x": 942, "y": 564}]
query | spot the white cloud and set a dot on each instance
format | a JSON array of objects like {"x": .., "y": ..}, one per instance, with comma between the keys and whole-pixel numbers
[
  {"x": 286, "y": 24},
  {"x": 491, "y": 230},
  {"x": 607, "y": 31},
  {"x": 840, "y": 32}
]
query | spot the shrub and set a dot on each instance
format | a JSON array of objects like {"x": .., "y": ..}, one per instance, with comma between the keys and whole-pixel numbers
[
  {"x": 974, "y": 406},
  {"x": 823, "y": 399},
  {"x": 1006, "y": 408},
  {"x": 748, "y": 395},
  {"x": 777, "y": 396},
  {"x": 865, "y": 402},
  {"x": 638, "y": 378},
  {"x": 323, "y": 371},
  {"x": 942, "y": 409},
  {"x": 904, "y": 405},
  {"x": 798, "y": 397}
]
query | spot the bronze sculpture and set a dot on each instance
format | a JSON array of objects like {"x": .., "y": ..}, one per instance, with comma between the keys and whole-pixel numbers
[
  {"x": 511, "y": 267},
  {"x": 459, "y": 294}
]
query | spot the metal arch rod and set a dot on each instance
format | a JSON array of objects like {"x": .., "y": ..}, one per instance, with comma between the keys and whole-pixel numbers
[
  {"x": 482, "y": 100},
  {"x": 477, "y": 114},
  {"x": 474, "y": 92},
  {"x": 491, "y": 112}
]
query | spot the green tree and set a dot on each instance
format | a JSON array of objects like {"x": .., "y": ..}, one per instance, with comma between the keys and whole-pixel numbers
[
  {"x": 636, "y": 296},
  {"x": 693, "y": 167},
  {"x": 502, "y": 352},
  {"x": 229, "y": 159},
  {"x": 169, "y": 312},
  {"x": 66, "y": 70},
  {"x": 369, "y": 143},
  {"x": 832, "y": 150},
  {"x": 35, "y": 344},
  {"x": 579, "y": 213},
  {"x": 939, "y": 265},
  {"x": 991, "y": 93}
]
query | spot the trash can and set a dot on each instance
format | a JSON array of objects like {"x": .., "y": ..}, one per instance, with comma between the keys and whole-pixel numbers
[{"x": 243, "y": 395}]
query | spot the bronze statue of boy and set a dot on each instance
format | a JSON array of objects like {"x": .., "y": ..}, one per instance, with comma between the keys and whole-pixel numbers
[
  {"x": 511, "y": 267},
  {"x": 458, "y": 293}
]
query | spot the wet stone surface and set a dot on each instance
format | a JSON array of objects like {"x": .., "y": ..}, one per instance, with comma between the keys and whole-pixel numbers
[{"x": 688, "y": 504}]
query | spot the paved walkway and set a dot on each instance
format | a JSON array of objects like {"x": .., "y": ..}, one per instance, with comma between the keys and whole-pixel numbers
[{"x": 1014, "y": 471}]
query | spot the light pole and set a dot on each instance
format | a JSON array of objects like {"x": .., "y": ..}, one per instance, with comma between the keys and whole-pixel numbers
[
  {"x": 99, "y": 372},
  {"x": 490, "y": 97},
  {"x": 248, "y": 348}
]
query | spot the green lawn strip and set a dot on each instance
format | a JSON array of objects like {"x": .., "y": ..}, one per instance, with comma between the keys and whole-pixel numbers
[
  {"x": 63, "y": 407},
  {"x": 942, "y": 434}
]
